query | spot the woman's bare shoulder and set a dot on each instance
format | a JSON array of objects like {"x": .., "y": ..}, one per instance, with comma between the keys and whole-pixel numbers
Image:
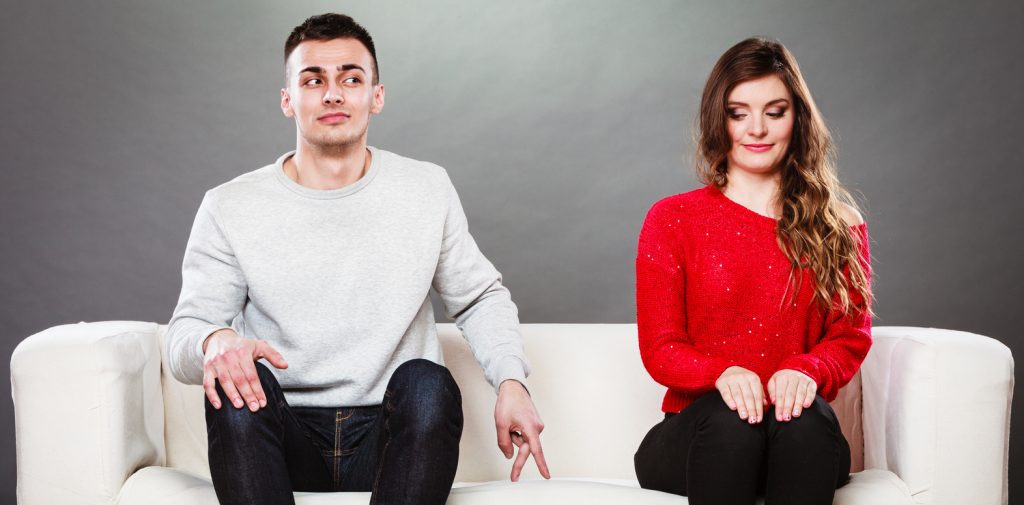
[{"x": 850, "y": 214}]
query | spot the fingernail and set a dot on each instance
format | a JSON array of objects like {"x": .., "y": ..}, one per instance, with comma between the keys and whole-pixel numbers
[
  {"x": 743, "y": 414},
  {"x": 263, "y": 403},
  {"x": 787, "y": 417},
  {"x": 254, "y": 406}
]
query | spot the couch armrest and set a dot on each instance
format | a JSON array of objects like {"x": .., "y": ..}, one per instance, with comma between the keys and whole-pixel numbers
[
  {"x": 937, "y": 413},
  {"x": 88, "y": 410}
]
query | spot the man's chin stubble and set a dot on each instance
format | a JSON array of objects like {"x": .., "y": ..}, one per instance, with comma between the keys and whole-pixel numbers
[{"x": 329, "y": 144}]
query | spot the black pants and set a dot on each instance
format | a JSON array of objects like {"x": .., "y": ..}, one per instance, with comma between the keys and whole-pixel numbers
[
  {"x": 707, "y": 453},
  {"x": 405, "y": 451}
]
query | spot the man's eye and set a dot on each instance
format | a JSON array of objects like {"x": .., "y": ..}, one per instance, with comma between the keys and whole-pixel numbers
[
  {"x": 352, "y": 80},
  {"x": 313, "y": 82}
]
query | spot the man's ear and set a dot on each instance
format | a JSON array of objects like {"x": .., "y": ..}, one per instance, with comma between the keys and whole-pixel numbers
[
  {"x": 378, "y": 99},
  {"x": 286, "y": 103}
]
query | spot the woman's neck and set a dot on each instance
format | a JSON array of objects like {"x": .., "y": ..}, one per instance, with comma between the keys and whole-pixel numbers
[{"x": 757, "y": 192}]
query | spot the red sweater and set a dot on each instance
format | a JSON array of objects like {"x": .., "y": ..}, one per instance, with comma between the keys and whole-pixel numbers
[{"x": 710, "y": 285}]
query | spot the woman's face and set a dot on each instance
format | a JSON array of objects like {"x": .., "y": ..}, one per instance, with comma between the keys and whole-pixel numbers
[{"x": 760, "y": 123}]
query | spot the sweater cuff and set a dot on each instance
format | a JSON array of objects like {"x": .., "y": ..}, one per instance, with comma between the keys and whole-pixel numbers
[
  {"x": 714, "y": 369},
  {"x": 804, "y": 364},
  {"x": 201, "y": 334},
  {"x": 508, "y": 368}
]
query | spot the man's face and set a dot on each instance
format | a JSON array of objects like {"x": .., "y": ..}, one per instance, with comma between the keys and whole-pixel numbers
[{"x": 330, "y": 92}]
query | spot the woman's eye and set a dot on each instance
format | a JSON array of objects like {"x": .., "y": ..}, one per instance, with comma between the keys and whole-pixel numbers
[
  {"x": 777, "y": 114},
  {"x": 734, "y": 114}
]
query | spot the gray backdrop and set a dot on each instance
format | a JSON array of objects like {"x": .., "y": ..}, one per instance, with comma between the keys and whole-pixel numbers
[{"x": 559, "y": 121}]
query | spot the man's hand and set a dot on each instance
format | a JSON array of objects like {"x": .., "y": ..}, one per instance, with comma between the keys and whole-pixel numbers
[
  {"x": 231, "y": 359},
  {"x": 791, "y": 392},
  {"x": 518, "y": 424},
  {"x": 741, "y": 390}
]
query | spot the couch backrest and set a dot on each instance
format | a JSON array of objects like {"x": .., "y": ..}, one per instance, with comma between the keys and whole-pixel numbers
[{"x": 588, "y": 383}]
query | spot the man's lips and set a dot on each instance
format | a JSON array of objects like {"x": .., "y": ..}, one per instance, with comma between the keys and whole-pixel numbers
[
  {"x": 758, "y": 148},
  {"x": 333, "y": 118}
]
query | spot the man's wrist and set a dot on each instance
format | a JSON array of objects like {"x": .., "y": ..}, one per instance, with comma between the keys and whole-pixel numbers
[
  {"x": 206, "y": 341},
  {"x": 511, "y": 383}
]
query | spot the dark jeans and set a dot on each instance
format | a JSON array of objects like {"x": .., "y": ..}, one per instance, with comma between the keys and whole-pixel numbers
[
  {"x": 404, "y": 451},
  {"x": 707, "y": 453}
]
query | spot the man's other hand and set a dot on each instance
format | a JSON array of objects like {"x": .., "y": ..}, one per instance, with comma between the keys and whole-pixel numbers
[
  {"x": 231, "y": 359},
  {"x": 519, "y": 426}
]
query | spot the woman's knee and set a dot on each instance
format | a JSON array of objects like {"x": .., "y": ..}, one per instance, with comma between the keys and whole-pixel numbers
[
  {"x": 816, "y": 421},
  {"x": 820, "y": 413},
  {"x": 715, "y": 420}
]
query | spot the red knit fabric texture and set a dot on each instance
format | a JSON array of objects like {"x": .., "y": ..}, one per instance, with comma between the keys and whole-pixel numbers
[{"x": 711, "y": 292}]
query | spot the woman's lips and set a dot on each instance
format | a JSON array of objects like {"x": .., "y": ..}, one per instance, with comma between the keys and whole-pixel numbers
[{"x": 758, "y": 148}]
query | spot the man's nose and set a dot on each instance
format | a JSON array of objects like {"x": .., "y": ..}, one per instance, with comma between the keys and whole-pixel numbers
[{"x": 333, "y": 95}]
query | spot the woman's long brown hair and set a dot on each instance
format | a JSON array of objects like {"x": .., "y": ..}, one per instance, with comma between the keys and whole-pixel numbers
[{"x": 811, "y": 231}]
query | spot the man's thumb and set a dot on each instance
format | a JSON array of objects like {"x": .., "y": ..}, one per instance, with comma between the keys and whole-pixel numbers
[{"x": 263, "y": 350}]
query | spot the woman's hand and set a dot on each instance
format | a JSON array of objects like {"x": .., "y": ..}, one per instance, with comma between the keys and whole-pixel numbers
[
  {"x": 741, "y": 390},
  {"x": 791, "y": 392}
]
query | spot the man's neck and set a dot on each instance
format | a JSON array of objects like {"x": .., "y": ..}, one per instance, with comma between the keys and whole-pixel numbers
[
  {"x": 318, "y": 168},
  {"x": 757, "y": 192}
]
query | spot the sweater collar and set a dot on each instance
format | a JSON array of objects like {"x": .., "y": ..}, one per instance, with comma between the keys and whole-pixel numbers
[{"x": 329, "y": 194}]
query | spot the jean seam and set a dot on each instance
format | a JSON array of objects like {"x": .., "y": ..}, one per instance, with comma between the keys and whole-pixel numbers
[
  {"x": 387, "y": 408},
  {"x": 337, "y": 447}
]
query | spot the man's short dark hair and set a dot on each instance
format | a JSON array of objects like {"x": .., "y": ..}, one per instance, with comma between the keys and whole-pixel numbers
[{"x": 331, "y": 26}]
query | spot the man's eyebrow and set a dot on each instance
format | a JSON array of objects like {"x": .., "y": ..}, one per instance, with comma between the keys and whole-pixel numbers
[
  {"x": 777, "y": 101},
  {"x": 341, "y": 68}
]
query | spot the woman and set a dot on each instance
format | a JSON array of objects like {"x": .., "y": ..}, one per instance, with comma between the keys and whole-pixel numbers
[{"x": 753, "y": 297}]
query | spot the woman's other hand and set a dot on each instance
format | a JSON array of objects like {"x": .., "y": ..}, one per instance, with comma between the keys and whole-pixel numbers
[
  {"x": 741, "y": 390},
  {"x": 791, "y": 392}
]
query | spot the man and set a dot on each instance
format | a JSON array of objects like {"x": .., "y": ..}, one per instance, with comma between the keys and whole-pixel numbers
[{"x": 321, "y": 264}]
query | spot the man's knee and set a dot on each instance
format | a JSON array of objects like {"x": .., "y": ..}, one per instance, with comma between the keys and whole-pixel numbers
[
  {"x": 266, "y": 379},
  {"x": 271, "y": 390},
  {"x": 426, "y": 378},
  {"x": 424, "y": 396}
]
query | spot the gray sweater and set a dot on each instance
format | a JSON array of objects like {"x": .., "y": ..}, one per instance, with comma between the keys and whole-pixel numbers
[{"x": 338, "y": 280}]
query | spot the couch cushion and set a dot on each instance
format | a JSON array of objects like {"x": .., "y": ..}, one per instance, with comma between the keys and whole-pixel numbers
[
  {"x": 591, "y": 389},
  {"x": 184, "y": 421},
  {"x": 595, "y": 397},
  {"x": 167, "y": 486}
]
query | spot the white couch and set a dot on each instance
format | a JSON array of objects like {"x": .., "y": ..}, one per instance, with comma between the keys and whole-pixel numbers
[{"x": 100, "y": 421}]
